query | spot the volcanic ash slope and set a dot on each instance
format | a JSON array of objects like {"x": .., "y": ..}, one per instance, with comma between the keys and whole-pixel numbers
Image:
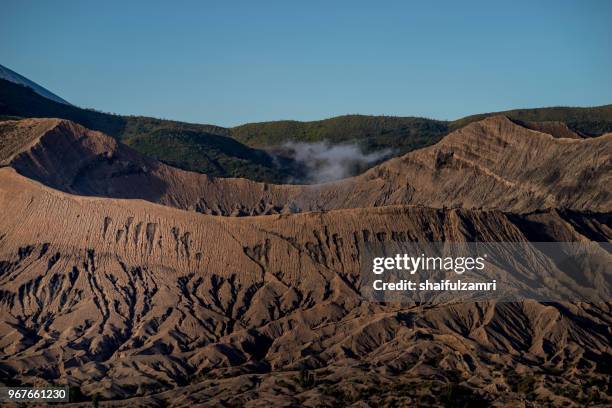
[{"x": 129, "y": 298}]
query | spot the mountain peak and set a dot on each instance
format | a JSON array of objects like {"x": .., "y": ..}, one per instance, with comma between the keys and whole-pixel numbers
[{"x": 12, "y": 76}]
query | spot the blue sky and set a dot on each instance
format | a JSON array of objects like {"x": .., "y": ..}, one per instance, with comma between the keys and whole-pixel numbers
[{"x": 243, "y": 61}]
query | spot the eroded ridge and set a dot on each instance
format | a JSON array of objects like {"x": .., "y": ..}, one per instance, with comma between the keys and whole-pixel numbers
[{"x": 138, "y": 299}]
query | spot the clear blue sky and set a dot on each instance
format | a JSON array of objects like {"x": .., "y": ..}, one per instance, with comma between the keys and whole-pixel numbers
[{"x": 242, "y": 61}]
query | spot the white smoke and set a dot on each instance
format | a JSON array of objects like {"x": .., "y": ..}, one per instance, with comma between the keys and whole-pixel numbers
[{"x": 325, "y": 162}]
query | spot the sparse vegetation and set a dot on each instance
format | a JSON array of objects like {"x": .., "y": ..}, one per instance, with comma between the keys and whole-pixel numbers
[
  {"x": 373, "y": 133},
  {"x": 206, "y": 153},
  {"x": 593, "y": 121}
]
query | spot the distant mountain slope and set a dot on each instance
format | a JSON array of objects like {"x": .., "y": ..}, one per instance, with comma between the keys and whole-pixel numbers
[
  {"x": 201, "y": 148},
  {"x": 409, "y": 133},
  {"x": 592, "y": 121},
  {"x": 209, "y": 149},
  {"x": 12, "y": 76},
  {"x": 183, "y": 144},
  {"x": 491, "y": 164},
  {"x": 373, "y": 133}
]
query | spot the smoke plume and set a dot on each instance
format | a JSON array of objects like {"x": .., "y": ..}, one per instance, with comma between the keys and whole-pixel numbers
[{"x": 325, "y": 162}]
